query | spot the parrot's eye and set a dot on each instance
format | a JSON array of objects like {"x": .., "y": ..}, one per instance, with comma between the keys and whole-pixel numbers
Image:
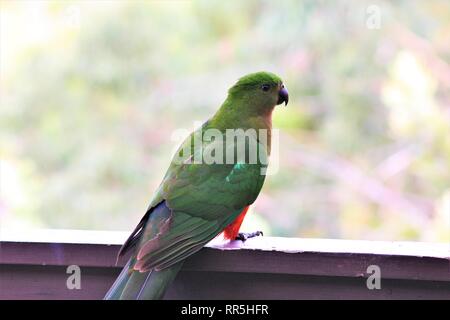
[{"x": 265, "y": 87}]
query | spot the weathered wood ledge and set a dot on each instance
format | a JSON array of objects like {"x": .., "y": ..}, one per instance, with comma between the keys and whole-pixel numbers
[{"x": 33, "y": 265}]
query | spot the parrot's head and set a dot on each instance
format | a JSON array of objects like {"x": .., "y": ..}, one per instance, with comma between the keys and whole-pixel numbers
[{"x": 261, "y": 91}]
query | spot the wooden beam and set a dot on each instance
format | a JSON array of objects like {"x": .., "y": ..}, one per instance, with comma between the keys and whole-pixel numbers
[{"x": 34, "y": 267}]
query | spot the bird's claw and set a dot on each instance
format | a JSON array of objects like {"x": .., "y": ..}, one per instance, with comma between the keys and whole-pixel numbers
[{"x": 247, "y": 235}]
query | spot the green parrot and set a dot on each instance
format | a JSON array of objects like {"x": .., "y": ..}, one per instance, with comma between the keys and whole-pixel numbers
[{"x": 198, "y": 200}]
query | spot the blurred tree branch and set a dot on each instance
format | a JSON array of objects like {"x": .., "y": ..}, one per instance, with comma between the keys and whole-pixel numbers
[{"x": 371, "y": 187}]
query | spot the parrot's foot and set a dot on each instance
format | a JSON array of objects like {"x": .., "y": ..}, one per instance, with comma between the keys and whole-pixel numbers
[{"x": 244, "y": 235}]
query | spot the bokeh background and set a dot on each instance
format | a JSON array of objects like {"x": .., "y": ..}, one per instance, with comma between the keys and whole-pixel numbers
[{"x": 92, "y": 92}]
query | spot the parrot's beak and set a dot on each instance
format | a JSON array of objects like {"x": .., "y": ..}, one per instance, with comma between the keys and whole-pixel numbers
[{"x": 283, "y": 95}]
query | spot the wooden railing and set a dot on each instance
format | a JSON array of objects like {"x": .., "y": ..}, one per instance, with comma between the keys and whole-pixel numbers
[{"x": 34, "y": 266}]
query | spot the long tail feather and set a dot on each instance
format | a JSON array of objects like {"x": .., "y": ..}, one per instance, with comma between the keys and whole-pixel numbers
[
  {"x": 115, "y": 291},
  {"x": 150, "y": 285},
  {"x": 132, "y": 283},
  {"x": 157, "y": 282},
  {"x": 133, "y": 286}
]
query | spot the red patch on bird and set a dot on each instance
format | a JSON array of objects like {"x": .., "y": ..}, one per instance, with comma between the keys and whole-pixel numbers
[{"x": 232, "y": 230}]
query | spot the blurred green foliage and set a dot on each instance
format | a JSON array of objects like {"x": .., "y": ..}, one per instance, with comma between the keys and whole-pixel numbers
[{"x": 92, "y": 91}]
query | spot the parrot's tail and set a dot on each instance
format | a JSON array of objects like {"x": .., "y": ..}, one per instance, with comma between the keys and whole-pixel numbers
[
  {"x": 135, "y": 285},
  {"x": 116, "y": 289}
]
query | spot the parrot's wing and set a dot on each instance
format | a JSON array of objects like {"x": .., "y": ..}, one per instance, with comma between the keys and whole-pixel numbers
[{"x": 196, "y": 202}]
